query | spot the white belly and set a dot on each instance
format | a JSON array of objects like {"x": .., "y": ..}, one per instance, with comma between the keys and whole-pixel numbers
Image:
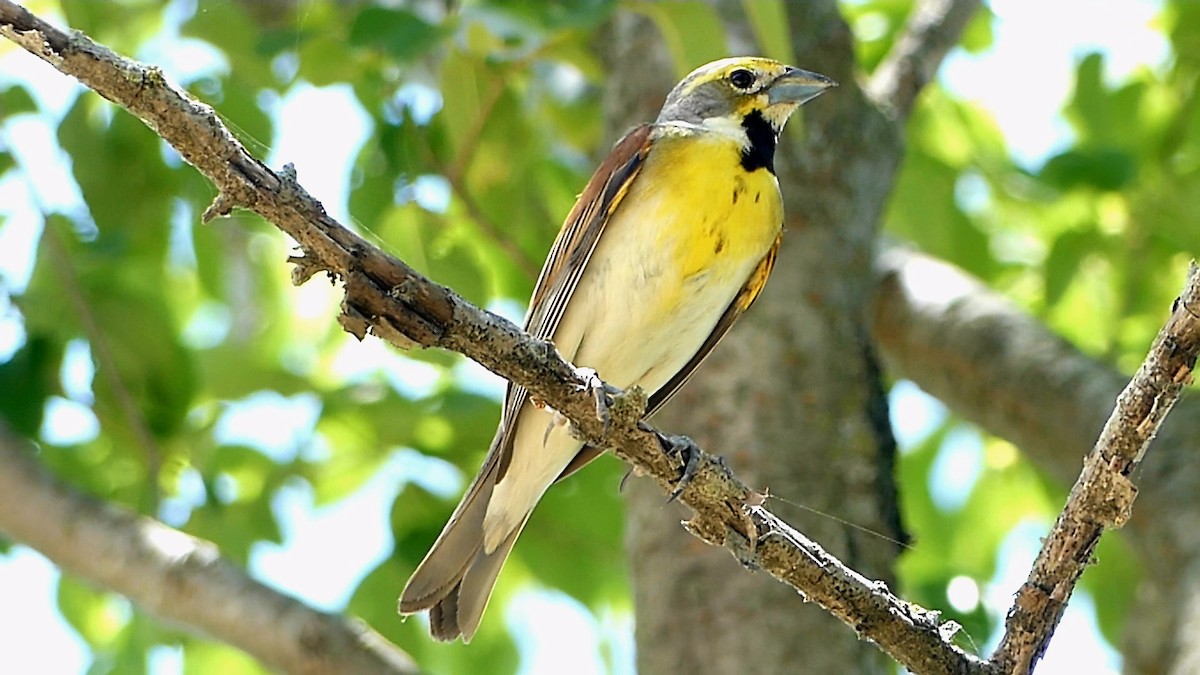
[
  {"x": 644, "y": 322},
  {"x": 625, "y": 334}
]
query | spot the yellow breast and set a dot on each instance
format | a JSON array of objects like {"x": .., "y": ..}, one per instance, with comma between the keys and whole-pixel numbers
[
  {"x": 685, "y": 239},
  {"x": 711, "y": 219}
]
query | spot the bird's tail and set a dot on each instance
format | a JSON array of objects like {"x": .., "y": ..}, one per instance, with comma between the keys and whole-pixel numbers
[{"x": 455, "y": 580}]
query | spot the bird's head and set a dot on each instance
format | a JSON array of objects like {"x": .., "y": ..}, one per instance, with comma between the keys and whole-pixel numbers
[{"x": 723, "y": 94}]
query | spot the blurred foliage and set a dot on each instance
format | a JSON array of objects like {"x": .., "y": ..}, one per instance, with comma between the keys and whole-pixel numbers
[
  {"x": 483, "y": 124},
  {"x": 1095, "y": 241}
]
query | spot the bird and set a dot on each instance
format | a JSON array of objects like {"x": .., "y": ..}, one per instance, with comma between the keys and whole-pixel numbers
[{"x": 670, "y": 241}]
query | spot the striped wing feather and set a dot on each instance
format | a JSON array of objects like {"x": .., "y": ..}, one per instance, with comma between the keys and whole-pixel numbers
[
  {"x": 567, "y": 259},
  {"x": 456, "y": 577}
]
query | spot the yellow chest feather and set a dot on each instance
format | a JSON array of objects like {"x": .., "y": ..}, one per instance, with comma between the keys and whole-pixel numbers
[
  {"x": 706, "y": 218},
  {"x": 679, "y": 248}
]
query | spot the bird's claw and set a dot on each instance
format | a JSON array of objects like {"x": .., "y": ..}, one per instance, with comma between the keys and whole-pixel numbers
[
  {"x": 601, "y": 394},
  {"x": 687, "y": 452},
  {"x": 557, "y": 419}
]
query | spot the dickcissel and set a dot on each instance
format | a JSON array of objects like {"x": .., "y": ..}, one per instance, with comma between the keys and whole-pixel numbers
[{"x": 671, "y": 240}]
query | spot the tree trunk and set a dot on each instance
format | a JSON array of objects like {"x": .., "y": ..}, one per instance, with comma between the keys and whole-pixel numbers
[{"x": 792, "y": 396}]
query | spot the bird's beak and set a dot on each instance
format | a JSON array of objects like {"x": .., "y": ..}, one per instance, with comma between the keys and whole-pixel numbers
[{"x": 797, "y": 86}]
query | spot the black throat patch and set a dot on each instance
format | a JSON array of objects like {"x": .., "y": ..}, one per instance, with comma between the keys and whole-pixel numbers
[{"x": 760, "y": 154}]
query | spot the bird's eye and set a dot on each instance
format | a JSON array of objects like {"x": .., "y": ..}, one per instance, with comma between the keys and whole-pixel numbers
[{"x": 741, "y": 78}]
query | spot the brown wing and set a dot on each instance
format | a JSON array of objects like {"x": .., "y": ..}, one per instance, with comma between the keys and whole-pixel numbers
[
  {"x": 569, "y": 256},
  {"x": 582, "y": 229},
  {"x": 741, "y": 302},
  {"x": 456, "y": 577}
]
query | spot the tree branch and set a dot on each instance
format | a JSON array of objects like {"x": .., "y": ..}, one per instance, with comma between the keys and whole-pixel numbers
[
  {"x": 1103, "y": 495},
  {"x": 932, "y": 31},
  {"x": 178, "y": 577},
  {"x": 964, "y": 344},
  {"x": 389, "y": 299}
]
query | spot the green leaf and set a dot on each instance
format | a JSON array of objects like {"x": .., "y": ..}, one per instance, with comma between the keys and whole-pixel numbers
[
  {"x": 254, "y": 475},
  {"x": 359, "y": 455},
  {"x": 448, "y": 255},
  {"x": 141, "y": 633},
  {"x": 467, "y": 86},
  {"x": 586, "y": 561},
  {"x": 924, "y": 210},
  {"x": 325, "y": 59},
  {"x": 237, "y": 526},
  {"x": 1066, "y": 256},
  {"x": 26, "y": 381},
  {"x": 98, "y": 616},
  {"x": 14, "y": 100},
  {"x": 122, "y": 26},
  {"x": 377, "y": 172},
  {"x": 127, "y": 226},
  {"x": 1100, "y": 168},
  {"x": 142, "y": 347},
  {"x": 471, "y": 417},
  {"x": 228, "y": 27},
  {"x": 979, "y": 34},
  {"x": 234, "y": 371},
  {"x": 396, "y": 32},
  {"x": 1104, "y": 117},
  {"x": 112, "y": 296},
  {"x": 1113, "y": 584},
  {"x": 205, "y": 657},
  {"x": 876, "y": 25},
  {"x": 546, "y": 16},
  {"x": 769, "y": 20},
  {"x": 692, "y": 31}
]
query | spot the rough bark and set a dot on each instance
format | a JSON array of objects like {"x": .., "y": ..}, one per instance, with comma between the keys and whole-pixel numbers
[
  {"x": 1103, "y": 495},
  {"x": 1001, "y": 368}
]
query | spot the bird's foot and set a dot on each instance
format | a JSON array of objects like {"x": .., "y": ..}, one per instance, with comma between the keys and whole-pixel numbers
[
  {"x": 686, "y": 450},
  {"x": 557, "y": 420},
  {"x": 601, "y": 394}
]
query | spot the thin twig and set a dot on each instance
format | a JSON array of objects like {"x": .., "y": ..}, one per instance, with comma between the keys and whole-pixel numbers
[{"x": 1102, "y": 497}]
